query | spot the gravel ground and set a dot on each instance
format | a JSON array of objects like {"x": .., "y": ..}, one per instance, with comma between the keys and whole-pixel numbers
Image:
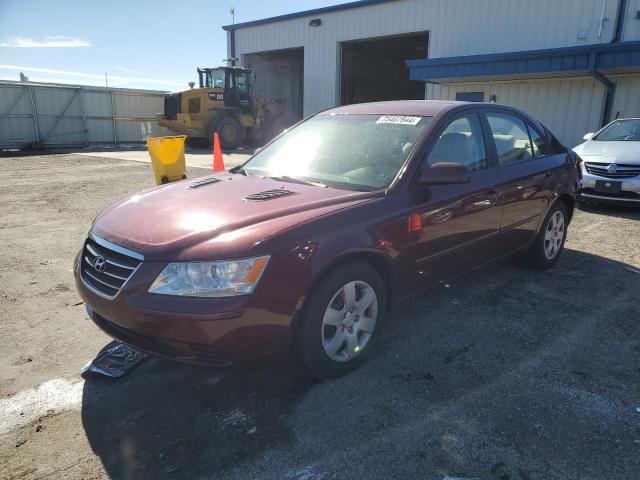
[{"x": 505, "y": 374}]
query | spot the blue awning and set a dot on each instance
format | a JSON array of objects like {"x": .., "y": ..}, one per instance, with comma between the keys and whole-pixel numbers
[{"x": 620, "y": 57}]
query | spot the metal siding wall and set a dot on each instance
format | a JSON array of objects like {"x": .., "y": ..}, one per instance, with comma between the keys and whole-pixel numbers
[
  {"x": 16, "y": 101},
  {"x": 631, "y": 30},
  {"x": 100, "y": 123},
  {"x": 60, "y": 111},
  {"x": 627, "y": 99},
  {"x": 569, "y": 107},
  {"x": 456, "y": 27},
  {"x": 59, "y": 115}
]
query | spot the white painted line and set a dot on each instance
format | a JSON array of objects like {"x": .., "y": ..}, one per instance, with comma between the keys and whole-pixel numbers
[{"x": 52, "y": 397}]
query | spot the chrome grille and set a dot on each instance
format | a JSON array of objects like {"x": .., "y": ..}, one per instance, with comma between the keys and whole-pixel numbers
[
  {"x": 621, "y": 170},
  {"x": 106, "y": 267}
]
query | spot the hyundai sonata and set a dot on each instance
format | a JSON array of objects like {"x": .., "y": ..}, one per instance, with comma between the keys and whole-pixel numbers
[{"x": 307, "y": 246}]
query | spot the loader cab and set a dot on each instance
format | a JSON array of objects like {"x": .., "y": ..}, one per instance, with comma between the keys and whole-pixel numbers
[{"x": 235, "y": 82}]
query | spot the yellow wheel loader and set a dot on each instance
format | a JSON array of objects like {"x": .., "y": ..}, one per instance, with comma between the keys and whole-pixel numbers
[{"x": 223, "y": 103}]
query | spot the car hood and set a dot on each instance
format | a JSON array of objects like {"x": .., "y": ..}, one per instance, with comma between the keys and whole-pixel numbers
[
  {"x": 187, "y": 221},
  {"x": 611, "y": 152}
]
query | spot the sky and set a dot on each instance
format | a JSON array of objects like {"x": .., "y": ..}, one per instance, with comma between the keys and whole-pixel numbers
[{"x": 139, "y": 43}]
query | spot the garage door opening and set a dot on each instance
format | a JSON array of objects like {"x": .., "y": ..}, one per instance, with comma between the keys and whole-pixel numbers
[
  {"x": 279, "y": 78},
  {"x": 374, "y": 69}
]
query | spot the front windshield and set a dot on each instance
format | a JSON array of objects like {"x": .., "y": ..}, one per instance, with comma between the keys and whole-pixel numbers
[
  {"x": 358, "y": 152},
  {"x": 621, "y": 131}
]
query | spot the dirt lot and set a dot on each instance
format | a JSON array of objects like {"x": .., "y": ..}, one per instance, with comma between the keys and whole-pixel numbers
[{"x": 505, "y": 374}]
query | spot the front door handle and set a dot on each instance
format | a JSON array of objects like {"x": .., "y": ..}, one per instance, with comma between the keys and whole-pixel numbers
[{"x": 548, "y": 174}]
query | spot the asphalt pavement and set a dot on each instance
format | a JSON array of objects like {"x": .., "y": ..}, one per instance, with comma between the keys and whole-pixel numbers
[{"x": 501, "y": 374}]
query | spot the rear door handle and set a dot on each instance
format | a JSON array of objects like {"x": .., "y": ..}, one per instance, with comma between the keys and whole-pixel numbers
[{"x": 493, "y": 195}]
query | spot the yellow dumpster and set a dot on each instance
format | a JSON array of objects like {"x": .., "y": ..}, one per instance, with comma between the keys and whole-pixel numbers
[{"x": 167, "y": 158}]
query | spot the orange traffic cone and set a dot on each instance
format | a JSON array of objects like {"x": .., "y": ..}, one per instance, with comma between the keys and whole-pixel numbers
[{"x": 218, "y": 163}]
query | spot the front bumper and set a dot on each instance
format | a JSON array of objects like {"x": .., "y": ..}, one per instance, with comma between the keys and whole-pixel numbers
[
  {"x": 208, "y": 331},
  {"x": 629, "y": 190}
]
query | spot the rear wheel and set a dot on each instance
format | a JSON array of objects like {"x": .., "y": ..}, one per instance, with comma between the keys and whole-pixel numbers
[
  {"x": 341, "y": 319},
  {"x": 229, "y": 131},
  {"x": 550, "y": 240}
]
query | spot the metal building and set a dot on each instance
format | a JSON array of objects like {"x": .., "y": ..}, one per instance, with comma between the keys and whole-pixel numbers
[
  {"x": 58, "y": 115},
  {"x": 575, "y": 64}
]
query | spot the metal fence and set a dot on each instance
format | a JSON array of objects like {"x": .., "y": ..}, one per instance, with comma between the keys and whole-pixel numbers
[{"x": 56, "y": 115}]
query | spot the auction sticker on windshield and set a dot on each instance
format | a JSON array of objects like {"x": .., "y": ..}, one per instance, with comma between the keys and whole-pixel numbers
[{"x": 399, "y": 120}]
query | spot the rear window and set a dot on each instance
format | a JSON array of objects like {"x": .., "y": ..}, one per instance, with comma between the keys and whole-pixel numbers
[{"x": 511, "y": 138}]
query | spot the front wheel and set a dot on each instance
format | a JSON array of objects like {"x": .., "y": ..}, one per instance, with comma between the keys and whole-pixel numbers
[
  {"x": 550, "y": 240},
  {"x": 341, "y": 319},
  {"x": 229, "y": 131}
]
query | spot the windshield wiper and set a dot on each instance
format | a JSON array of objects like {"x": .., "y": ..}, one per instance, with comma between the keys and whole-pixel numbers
[{"x": 287, "y": 178}]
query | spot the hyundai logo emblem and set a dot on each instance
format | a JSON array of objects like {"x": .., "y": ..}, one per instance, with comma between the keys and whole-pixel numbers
[
  {"x": 99, "y": 264},
  {"x": 613, "y": 168}
]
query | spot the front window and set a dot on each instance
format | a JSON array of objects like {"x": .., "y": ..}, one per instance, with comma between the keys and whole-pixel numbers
[
  {"x": 461, "y": 142},
  {"x": 214, "y": 79},
  {"x": 620, "y": 131},
  {"x": 239, "y": 81},
  {"x": 355, "y": 152}
]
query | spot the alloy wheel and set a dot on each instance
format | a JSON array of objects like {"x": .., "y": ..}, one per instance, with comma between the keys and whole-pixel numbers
[
  {"x": 349, "y": 321},
  {"x": 553, "y": 235}
]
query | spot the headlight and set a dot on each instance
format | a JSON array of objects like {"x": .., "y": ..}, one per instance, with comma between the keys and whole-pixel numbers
[{"x": 210, "y": 279}]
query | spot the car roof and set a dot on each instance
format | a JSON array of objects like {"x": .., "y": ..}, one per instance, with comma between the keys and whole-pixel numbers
[{"x": 423, "y": 108}]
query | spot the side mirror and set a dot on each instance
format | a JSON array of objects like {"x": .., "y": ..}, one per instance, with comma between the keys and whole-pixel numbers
[
  {"x": 444, "y": 173},
  {"x": 588, "y": 136}
]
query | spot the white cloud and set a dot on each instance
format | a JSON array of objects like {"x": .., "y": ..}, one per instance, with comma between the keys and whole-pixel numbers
[
  {"x": 47, "y": 42},
  {"x": 89, "y": 78},
  {"x": 128, "y": 70}
]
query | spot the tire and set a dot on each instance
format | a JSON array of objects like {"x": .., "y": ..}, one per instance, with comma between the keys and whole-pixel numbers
[
  {"x": 229, "y": 131},
  {"x": 549, "y": 243},
  {"x": 335, "y": 338}
]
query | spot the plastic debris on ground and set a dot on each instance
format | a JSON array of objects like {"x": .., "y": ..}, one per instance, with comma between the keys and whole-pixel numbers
[{"x": 115, "y": 360}]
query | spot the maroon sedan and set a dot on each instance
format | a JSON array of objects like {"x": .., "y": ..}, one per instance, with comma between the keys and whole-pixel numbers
[{"x": 307, "y": 245}]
